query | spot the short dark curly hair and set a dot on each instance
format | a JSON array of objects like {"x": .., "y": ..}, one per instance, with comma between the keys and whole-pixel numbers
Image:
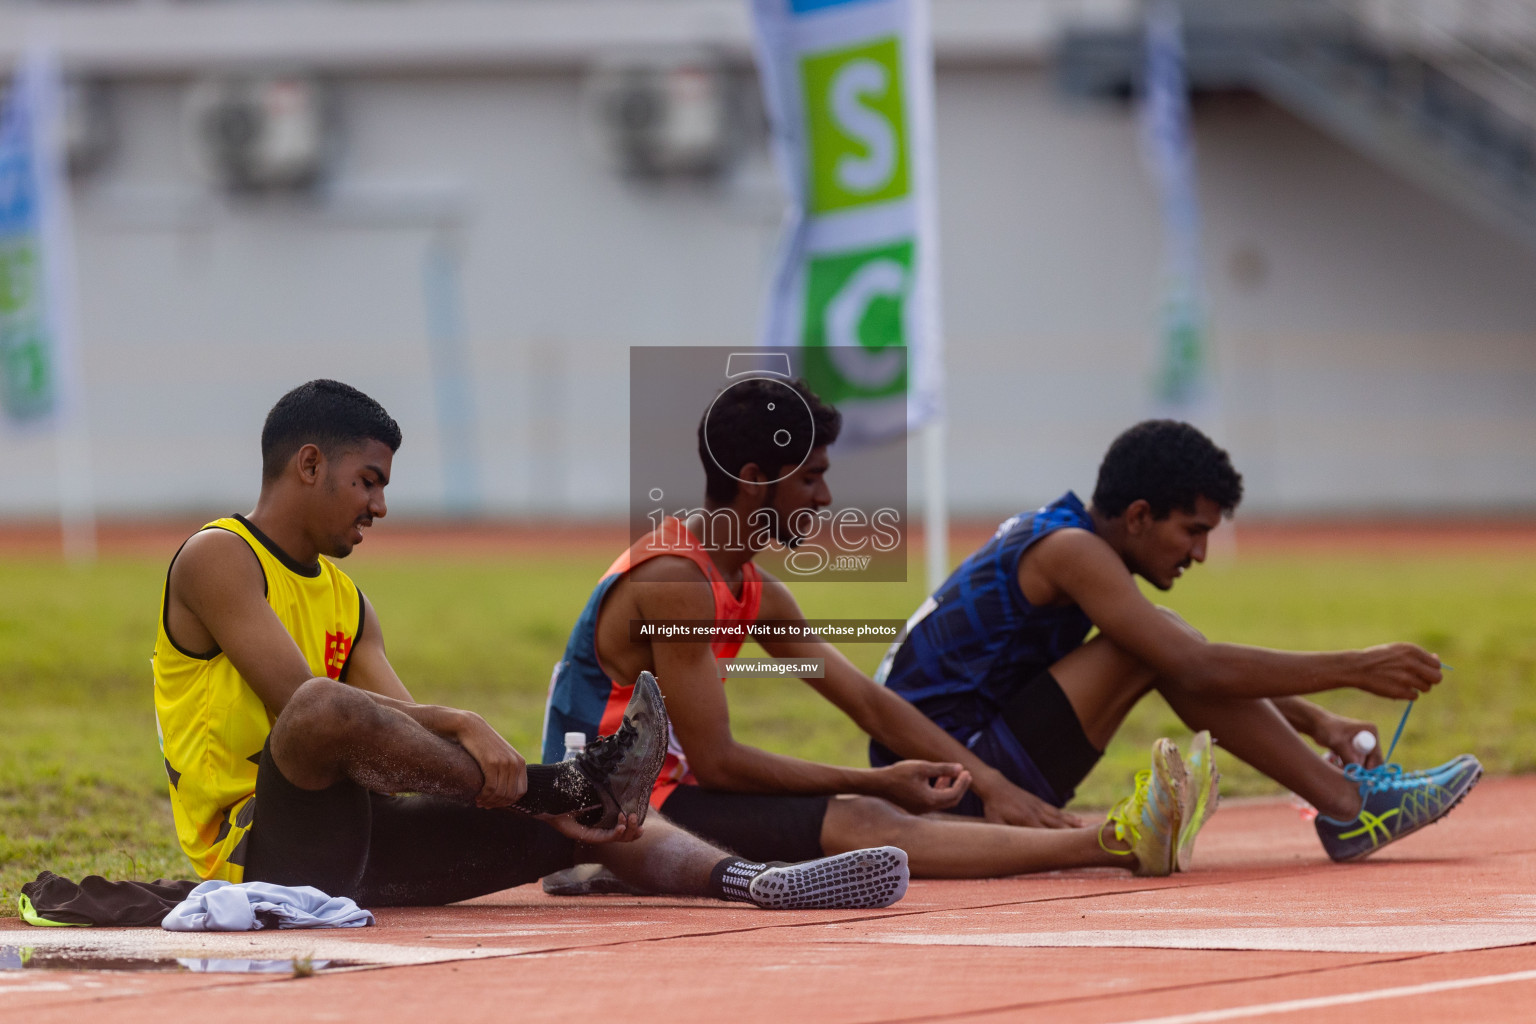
[
  {"x": 742, "y": 421},
  {"x": 325, "y": 413},
  {"x": 1169, "y": 464}
]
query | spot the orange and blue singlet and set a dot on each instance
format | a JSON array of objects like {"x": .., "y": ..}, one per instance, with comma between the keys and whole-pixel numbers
[{"x": 582, "y": 698}]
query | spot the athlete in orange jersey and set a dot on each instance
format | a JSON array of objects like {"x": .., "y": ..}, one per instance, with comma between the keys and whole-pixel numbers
[
  {"x": 731, "y": 609},
  {"x": 769, "y": 806}
]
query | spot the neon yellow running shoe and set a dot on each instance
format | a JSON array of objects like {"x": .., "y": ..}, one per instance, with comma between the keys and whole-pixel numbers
[
  {"x": 1148, "y": 819},
  {"x": 1200, "y": 799}
]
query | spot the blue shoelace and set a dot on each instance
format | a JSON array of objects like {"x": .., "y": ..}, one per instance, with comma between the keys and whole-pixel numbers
[
  {"x": 1387, "y": 775},
  {"x": 1399, "y": 734},
  {"x": 1383, "y": 776}
]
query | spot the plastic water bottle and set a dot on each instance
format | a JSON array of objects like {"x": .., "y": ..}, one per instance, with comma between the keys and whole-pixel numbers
[
  {"x": 1364, "y": 742},
  {"x": 575, "y": 743}
]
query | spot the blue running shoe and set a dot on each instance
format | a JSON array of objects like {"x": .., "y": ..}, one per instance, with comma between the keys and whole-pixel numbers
[
  {"x": 1441, "y": 768},
  {"x": 1393, "y": 768},
  {"x": 1396, "y": 803}
]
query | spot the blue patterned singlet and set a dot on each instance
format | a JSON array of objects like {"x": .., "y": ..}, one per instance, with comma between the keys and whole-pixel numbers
[{"x": 977, "y": 640}]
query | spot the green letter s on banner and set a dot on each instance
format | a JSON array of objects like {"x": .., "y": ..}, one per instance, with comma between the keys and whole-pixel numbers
[{"x": 856, "y": 121}]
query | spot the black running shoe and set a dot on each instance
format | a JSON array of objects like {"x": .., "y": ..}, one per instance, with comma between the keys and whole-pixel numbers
[
  {"x": 875, "y": 877},
  {"x": 623, "y": 767}
]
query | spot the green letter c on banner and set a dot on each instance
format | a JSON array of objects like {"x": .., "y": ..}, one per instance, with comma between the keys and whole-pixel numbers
[
  {"x": 18, "y": 276},
  {"x": 855, "y": 322},
  {"x": 875, "y": 368}
]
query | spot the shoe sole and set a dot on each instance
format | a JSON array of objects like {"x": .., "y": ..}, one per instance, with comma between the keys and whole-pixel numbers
[
  {"x": 1433, "y": 821},
  {"x": 1190, "y": 828},
  {"x": 860, "y": 879},
  {"x": 636, "y": 796},
  {"x": 1172, "y": 764},
  {"x": 639, "y": 798}
]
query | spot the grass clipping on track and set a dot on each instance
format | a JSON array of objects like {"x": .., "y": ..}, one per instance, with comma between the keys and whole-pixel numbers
[{"x": 82, "y": 789}]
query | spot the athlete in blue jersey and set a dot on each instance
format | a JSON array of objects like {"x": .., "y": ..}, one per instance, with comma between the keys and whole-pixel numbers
[
  {"x": 971, "y": 643},
  {"x": 997, "y": 656}
]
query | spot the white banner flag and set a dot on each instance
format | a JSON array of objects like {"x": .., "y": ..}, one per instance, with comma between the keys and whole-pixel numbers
[
  {"x": 39, "y": 362},
  {"x": 1183, "y": 382},
  {"x": 849, "y": 91},
  {"x": 36, "y": 330}
]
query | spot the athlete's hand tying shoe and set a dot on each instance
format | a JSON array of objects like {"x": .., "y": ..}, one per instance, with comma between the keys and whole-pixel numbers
[
  {"x": 1337, "y": 734},
  {"x": 626, "y": 830},
  {"x": 923, "y": 786}
]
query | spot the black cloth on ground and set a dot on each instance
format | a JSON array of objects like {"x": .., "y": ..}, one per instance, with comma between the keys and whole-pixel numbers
[
  {"x": 392, "y": 851},
  {"x": 96, "y": 901}
]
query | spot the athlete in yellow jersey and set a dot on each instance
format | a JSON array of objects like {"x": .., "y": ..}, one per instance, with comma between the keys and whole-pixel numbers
[
  {"x": 287, "y": 734},
  {"x": 212, "y": 759}
]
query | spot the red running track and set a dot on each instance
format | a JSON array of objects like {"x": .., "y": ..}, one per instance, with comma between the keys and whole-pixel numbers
[{"x": 1441, "y": 926}]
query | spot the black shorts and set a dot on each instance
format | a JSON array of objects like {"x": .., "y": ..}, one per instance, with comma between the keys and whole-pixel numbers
[
  {"x": 760, "y": 827},
  {"x": 393, "y": 851},
  {"x": 1035, "y": 740}
]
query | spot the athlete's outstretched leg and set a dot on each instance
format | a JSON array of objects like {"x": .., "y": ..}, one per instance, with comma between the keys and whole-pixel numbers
[
  {"x": 944, "y": 848},
  {"x": 664, "y": 859},
  {"x": 667, "y": 858}
]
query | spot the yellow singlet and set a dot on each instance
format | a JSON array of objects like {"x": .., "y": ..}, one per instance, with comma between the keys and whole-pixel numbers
[{"x": 213, "y": 726}]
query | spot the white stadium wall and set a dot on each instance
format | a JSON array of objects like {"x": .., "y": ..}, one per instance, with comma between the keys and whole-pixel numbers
[{"x": 1376, "y": 349}]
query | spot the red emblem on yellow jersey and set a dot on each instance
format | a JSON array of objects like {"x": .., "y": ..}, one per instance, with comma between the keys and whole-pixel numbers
[{"x": 337, "y": 646}]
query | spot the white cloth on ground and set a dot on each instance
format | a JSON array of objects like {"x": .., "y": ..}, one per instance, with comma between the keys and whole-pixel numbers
[{"x": 223, "y": 907}]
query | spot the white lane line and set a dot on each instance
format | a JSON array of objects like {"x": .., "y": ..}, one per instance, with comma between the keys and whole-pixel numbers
[
  {"x": 152, "y": 943},
  {"x": 1445, "y": 938},
  {"x": 43, "y": 986},
  {"x": 1320, "y": 1002}
]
